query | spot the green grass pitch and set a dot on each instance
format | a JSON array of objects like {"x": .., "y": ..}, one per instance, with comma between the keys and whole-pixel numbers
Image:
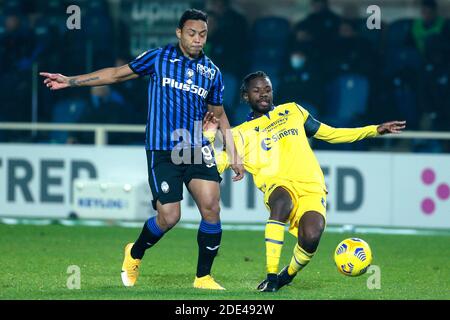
[{"x": 35, "y": 259}]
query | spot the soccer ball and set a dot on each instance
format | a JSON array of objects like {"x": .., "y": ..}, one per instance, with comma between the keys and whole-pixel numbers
[{"x": 352, "y": 257}]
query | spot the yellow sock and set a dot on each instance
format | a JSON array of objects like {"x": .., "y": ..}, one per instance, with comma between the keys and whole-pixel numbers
[
  {"x": 274, "y": 243},
  {"x": 299, "y": 260}
]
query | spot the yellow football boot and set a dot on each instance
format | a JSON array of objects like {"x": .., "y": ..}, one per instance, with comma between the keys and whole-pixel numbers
[
  {"x": 207, "y": 282},
  {"x": 130, "y": 267}
]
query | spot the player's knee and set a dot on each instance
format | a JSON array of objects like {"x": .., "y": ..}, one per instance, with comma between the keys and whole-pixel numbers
[
  {"x": 170, "y": 220},
  {"x": 211, "y": 211},
  {"x": 313, "y": 235}
]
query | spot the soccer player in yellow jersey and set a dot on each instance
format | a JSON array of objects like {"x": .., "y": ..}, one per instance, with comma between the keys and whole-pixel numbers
[{"x": 274, "y": 147}]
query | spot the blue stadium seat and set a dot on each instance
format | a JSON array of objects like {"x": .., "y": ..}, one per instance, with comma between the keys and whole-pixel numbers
[
  {"x": 347, "y": 100},
  {"x": 312, "y": 109},
  {"x": 268, "y": 59},
  {"x": 398, "y": 59},
  {"x": 240, "y": 113},
  {"x": 271, "y": 31},
  {"x": 97, "y": 6},
  {"x": 231, "y": 92},
  {"x": 66, "y": 111},
  {"x": 398, "y": 32},
  {"x": 405, "y": 101},
  {"x": 373, "y": 36},
  {"x": 44, "y": 37},
  {"x": 13, "y": 5}
]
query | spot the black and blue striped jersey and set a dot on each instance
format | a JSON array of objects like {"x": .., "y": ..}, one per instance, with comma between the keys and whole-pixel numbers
[{"x": 179, "y": 92}]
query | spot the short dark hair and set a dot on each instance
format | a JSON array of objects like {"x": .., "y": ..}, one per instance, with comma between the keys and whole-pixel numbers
[
  {"x": 250, "y": 77},
  {"x": 192, "y": 14}
]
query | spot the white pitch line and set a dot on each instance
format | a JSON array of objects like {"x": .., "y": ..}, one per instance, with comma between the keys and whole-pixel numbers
[{"x": 226, "y": 226}]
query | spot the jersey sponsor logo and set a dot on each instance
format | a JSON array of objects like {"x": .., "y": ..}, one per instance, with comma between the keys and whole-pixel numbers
[
  {"x": 103, "y": 203},
  {"x": 276, "y": 124},
  {"x": 209, "y": 73},
  {"x": 284, "y": 133},
  {"x": 266, "y": 143},
  {"x": 185, "y": 87}
]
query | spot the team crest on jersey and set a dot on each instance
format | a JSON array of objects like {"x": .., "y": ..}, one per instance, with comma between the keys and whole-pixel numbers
[
  {"x": 189, "y": 73},
  {"x": 283, "y": 114},
  {"x": 206, "y": 72},
  {"x": 165, "y": 187},
  {"x": 257, "y": 129}
]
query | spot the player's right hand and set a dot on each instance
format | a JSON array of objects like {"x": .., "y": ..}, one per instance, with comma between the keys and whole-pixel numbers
[
  {"x": 210, "y": 122},
  {"x": 55, "y": 81}
]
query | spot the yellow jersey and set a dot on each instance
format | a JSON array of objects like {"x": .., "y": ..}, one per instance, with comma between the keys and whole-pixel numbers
[{"x": 276, "y": 146}]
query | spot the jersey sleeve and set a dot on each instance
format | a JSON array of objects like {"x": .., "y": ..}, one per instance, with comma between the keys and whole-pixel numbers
[
  {"x": 345, "y": 135},
  {"x": 322, "y": 131},
  {"x": 215, "y": 95},
  {"x": 144, "y": 64},
  {"x": 222, "y": 160}
]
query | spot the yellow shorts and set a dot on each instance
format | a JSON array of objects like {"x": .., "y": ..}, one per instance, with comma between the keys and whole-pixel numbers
[{"x": 305, "y": 197}]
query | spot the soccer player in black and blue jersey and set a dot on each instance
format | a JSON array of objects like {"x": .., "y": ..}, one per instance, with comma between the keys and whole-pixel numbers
[{"x": 184, "y": 85}]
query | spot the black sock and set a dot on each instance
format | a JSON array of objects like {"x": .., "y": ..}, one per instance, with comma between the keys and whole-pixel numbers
[
  {"x": 150, "y": 235},
  {"x": 208, "y": 239}
]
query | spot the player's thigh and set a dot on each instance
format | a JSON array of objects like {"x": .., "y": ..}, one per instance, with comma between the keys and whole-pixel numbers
[
  {"x": 314, "y": 202},
  {"x": 283, "y": 191},
  {"x": 165, "y": 178},
  {"x": 311, "y": 216},
  {"x": 206, "y": 194},
  {"x": 280, "y": 202}
]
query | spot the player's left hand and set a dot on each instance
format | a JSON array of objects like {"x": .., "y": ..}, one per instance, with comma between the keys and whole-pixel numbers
[
  {"x": 239, "y": 170},
  {"x": 391, "y": 127}
]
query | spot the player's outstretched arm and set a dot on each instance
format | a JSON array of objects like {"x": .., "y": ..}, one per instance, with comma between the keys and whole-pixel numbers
[
  {"x": 348, "y": 135},
  {"x": 56, "y": 81},
  {"x": 210, "y": 127},
  {"x": 230, "y": 147}
]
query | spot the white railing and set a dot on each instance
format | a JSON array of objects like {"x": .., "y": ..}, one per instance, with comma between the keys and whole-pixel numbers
[{"x": 101, "y": 130}]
